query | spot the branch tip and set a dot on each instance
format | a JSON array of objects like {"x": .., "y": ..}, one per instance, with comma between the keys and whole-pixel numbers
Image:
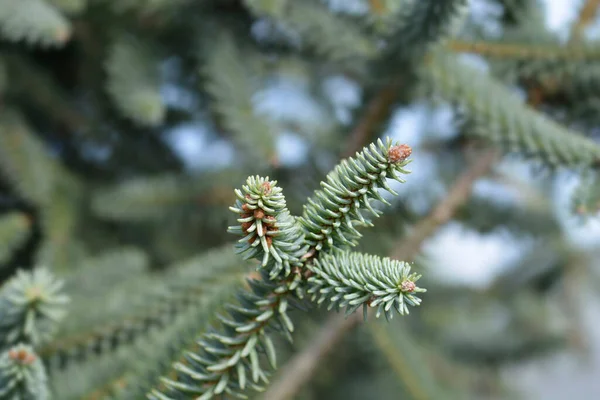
[{"x": 399, "y": 153}]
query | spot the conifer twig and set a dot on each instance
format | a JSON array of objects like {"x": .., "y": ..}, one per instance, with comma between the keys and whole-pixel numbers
[{"x": 301, "y": 367}]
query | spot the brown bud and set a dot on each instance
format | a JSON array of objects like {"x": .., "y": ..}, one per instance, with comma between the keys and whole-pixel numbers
[
  {"x": 246, "y": 226},
  {"x": 399, "y": 153},
  {"x": 370, "y": 301},
  {"x": 269, "y": 221},
  {"x": 408, "y": 286},
  {"x": 259, "y": 214},
  {"x": 266, "y": 187},
  {"x": 269, "y": 240},
  {"x": 246, "y": 208},
  {"x": 22, "y": 356}
]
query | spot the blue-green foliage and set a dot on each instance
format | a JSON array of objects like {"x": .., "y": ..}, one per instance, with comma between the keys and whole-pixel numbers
[
  {"x": 22, "y": 375},
  {"x": 31, "y": 306},
  {"x": 351, "y": 280},
  {"x": 330, "y": 216},
  {"x": 269, "y": 233},
  {"x": 228, "y": 358}
]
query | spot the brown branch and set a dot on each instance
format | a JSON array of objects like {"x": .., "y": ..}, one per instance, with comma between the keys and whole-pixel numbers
[
  {"x": 523, "y": 51},
  {"x": 376, "y": 111},
  {"x": 443, "y": 212},
  {"x": 587, "y": 13},
  {"x": 299, "y": 370}
]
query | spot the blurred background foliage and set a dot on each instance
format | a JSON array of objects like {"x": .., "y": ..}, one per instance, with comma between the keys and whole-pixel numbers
[{"x": 125, "y": 126}]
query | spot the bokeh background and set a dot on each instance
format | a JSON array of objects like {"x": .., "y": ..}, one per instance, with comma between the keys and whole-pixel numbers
[{"x": 125, "y": 126}]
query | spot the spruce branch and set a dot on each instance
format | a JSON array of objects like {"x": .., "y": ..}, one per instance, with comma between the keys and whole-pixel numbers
[
  {"x": 228, "y": 355},
  {"x": 163, "y": 299},
  {"x": 22, "y": 375},
  {"x": 300, "y": 369},
  {"x": 31, "y": 306},
  {"x": 330, "y": 216},
  {"x": 352, "y": 280},
  {"x": 499, "y": 116},
  {"x": 130, "y": 370},
  {"x": 174, "y": 343},
  {"x": 527, "y": 51},
  {"x": 228, "y": 359},
  {"x": 269, "y": 233}
]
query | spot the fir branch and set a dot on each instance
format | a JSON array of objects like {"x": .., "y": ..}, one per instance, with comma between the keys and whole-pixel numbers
[
  {"x": 162, "y": 299},
  {"x": 230, "y": 82},
  {"x": 14, "y": 229},
  {"x": 527, "y": 51},
  {"x": 227, "y": 361},
  {"x": 330, "y": 216},
  {"x": 502, "y": 118},
  {"x": 352, "y": 280},
  {"x": 83, "y": 347},
  {"x": 133, "y": 81},
  {"x": 299, "y": 370},
  {"x": 22, "y": 375},
  {"x": 269, "y": 233},
  {"x": 131, "y": 369},
  {"x": 24, "y": 160},
  {"x": 174, "y": 343},
  {"x": 31, "y": 306},
  {"x": 33, "y": 22}
]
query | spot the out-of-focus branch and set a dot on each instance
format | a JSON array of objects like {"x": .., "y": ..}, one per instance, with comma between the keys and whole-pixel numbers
[
  {"x": 443, "y": 212},
  {"x": 587, "y": 13},
  {"x": 299, "y": 370},
  {"x": 376, "y": 111},
  {"x": 522, "y": 51}
]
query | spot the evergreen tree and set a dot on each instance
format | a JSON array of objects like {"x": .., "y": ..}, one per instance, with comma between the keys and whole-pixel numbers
[{"x": 258, "y": 267}]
